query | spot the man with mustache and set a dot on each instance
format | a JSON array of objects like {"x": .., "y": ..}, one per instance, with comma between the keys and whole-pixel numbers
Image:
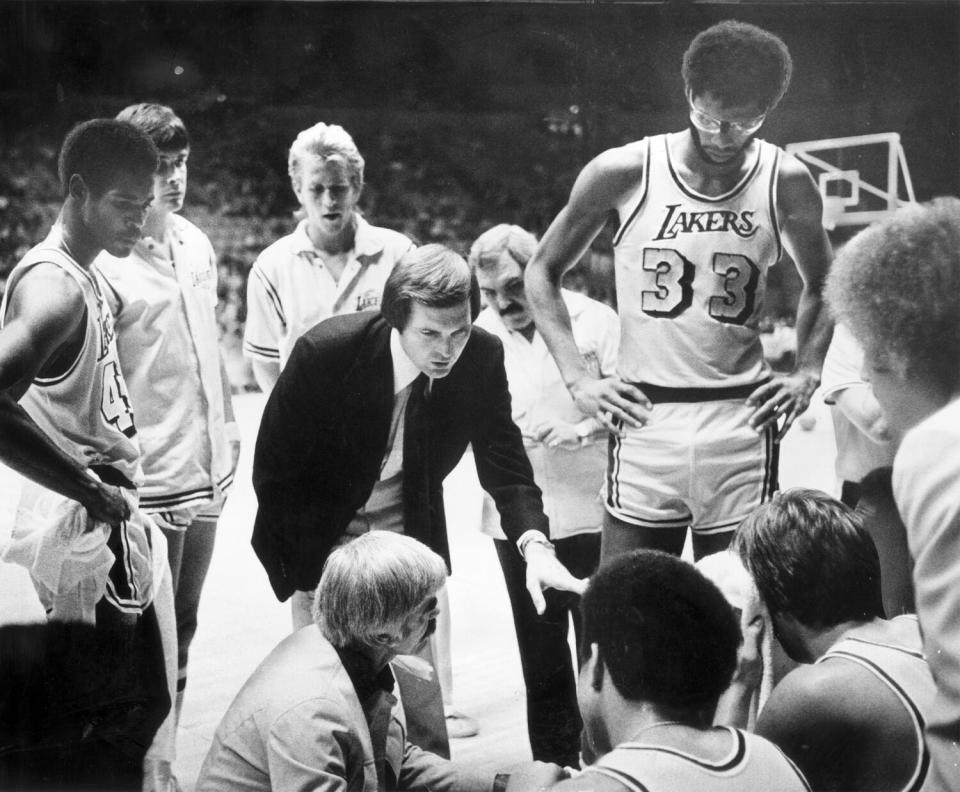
[
  {"x": 703, "y": 214},
  {"x": 568, "y": 453},
  {"x": 66, "y": 424},
  {"x": 319, "y": 712}
]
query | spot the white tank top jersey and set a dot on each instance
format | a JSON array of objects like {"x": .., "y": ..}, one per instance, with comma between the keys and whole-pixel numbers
[
  {"x": 902, "y": 667},
  {"x": 691, "y": 274},
  {"x": 752, "y": 763},
  {"x": 86, "y": 410}
]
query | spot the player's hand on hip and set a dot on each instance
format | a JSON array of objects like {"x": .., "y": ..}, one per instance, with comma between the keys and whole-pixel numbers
[
  {"x": 108, "y": 505},
  {"x": 545, "y": 571},
  {"x": 785, "y": 397},
  {"x": 612, "y": 401},
  {"x": 536, "y": 776}
]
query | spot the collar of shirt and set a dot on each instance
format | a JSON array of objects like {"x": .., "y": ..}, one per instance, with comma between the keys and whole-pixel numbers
[
  {"x": 148, "y": 248},
  {"x": 365, "y": 679},
  {"x": 365, "y": 242},
  {"x": 405, "y": 370}
]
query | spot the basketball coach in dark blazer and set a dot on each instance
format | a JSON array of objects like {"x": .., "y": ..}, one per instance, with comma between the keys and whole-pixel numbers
[{"x": 370, "y": 414}]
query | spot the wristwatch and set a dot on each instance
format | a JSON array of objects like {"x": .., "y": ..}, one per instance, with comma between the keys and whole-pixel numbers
[{"x": 538, "y": 538}]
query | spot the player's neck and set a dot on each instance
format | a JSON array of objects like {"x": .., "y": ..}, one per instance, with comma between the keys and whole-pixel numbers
[
  {"x": 334, "y": 244},
  {"x": 702, "y": 173},
  {"x": 641, "y": 722},
  {"x": 819, "y": 643},
  {"x": 156, "y": 225},
  {"x": 76, "y": 241}
]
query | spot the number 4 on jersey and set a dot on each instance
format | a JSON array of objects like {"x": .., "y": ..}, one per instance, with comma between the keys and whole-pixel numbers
[
  {"x": 115, "y": 404},
  {"x": 673, "y": 276}
]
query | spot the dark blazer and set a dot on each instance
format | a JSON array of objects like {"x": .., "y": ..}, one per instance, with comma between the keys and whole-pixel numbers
[{"x": 324, "y": 433}]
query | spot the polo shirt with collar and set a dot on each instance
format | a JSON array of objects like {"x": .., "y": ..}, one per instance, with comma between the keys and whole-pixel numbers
[{"x": 290, "y": 290}]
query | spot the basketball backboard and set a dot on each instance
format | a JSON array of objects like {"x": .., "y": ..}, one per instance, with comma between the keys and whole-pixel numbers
[{"x": 862, "y": 178}]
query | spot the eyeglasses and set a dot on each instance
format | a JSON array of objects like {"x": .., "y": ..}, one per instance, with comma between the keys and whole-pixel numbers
[{"x": 707, "y": 123}]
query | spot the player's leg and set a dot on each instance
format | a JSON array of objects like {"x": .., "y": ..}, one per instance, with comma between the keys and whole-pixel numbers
[
  {"x": 646, "y": 487},
  {"x": 198, "y": 544},
  {"x": 621, "y": 537},
  {"x": 580, "y": 554},
  {"x": 734, "y": 470},
  {"x": 705, "y": 544}
]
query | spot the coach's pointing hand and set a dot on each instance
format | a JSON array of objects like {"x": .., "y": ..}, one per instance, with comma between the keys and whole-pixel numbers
[{"x": 545, "y": 571}]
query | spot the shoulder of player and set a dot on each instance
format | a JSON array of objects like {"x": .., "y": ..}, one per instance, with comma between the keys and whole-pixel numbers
[
  {"x": 47, "y": 298},
  {"x": 394, "y": 243},
  {"x": 277, "y": 254},
  {"x": 813, "y": 698},
  {"x": 189, "y": 232},
  {"x": 796, "y": 189},
  {"x": 592, "y": 780}
]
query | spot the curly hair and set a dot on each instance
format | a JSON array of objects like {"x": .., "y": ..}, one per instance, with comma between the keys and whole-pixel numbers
[
  {"x": 896, "y": 285},
  {"x": 738, "y": 63},
  {"x": 810, "y": 557},
  {"x": 103, "y": 149},
  {"x": 664, "y": 632}
]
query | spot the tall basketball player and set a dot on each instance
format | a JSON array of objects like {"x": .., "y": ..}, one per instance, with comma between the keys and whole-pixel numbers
[{"x": 694, "y": 411}]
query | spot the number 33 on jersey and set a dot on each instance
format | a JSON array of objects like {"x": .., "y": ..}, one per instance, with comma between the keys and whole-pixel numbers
[{"x": 691, "y": 274}]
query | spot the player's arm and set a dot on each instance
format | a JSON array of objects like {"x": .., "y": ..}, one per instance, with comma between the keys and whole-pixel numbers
[
  {"x": 844, "y": 387},
  {"x": 597, "y": 190},
  {"x": 800, "y": 209},
  {"x": 813, "y": 718},
  {"x": 45, "y": 311},
  {"x": 264, "y": 328}
]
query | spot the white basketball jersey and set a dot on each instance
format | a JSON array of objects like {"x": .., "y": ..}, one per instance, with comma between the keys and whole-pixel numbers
[
  {"x": 691, "y": 274},
  {"x": 902, "y": 667},
  {"x": 752, "y": 763},
  {"x": 86, "y": 409}
]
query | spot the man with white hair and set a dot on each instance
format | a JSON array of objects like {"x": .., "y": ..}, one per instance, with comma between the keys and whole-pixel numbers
[
  {"x": 334, "y": 262},
  {"x": 319, "y": 712}
]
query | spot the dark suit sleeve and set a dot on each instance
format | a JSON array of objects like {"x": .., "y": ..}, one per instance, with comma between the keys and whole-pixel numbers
[
  {"x": 502, "y": 464},
  {"x": 288, "y": 534}
]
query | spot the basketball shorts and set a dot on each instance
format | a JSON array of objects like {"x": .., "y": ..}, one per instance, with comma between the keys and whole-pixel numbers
[{"x": 696, "y": 464}]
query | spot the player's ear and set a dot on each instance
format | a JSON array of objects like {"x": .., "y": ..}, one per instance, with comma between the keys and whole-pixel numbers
[
  {"x": 77, "y": 187},
  {"x": 593, "y": 665}
]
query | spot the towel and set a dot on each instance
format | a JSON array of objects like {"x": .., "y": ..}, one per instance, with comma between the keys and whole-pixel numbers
[{"x": 726, "y": 571}]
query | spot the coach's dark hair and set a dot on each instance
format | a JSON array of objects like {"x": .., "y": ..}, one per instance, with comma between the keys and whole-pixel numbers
[
  {"x": 432, "y": 275},
  {"x": 663, "y": 631},
  {"x": 738, "y": 63},
  {"x": 102, "y": 149},
  {"x": 812, "y": 559},
  {"x": 165, "y": 127}
]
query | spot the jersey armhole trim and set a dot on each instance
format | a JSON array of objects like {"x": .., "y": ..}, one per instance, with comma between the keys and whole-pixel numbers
[
  {"x": 774, "y": 215},
  {"x": 644, "y": 184},
  {"x": 923, "y": 760},
  {"x": 64, "y": 262},
  {"x": 620, "y": 777}
]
